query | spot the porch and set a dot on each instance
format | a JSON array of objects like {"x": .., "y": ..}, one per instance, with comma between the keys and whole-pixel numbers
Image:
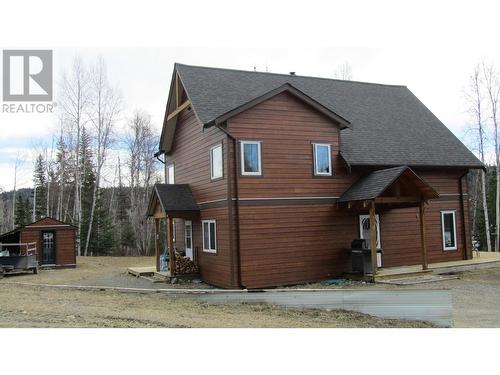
[
  {"x": 385, "y": 190},
  {"x": 479, "y": 259},
  {"x": 169, "y": 202}
]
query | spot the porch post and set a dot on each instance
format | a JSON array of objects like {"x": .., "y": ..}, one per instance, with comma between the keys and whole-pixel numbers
[
  {"x": 373, "y": 237},
  {"x": 157, "y": 244},
  {"x": 422, "y": 235},
  {"x": 171, "y": 252}
]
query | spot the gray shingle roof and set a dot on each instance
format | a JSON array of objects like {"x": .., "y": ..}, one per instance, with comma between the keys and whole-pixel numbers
[
  {"x": 390, "y": 126},
  {"x": 374, "y": 184},
  {"x": 175, "y": 198}
]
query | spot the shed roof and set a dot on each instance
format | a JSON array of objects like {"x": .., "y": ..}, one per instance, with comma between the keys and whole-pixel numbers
[
  {"x": 389, "y": 125},
  {"x": 376, "y": 183}
]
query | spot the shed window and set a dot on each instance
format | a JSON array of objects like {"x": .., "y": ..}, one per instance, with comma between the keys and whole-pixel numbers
[
  {"x": 209, "y": 236},
  {"x": 216, "y": 162},
  {"x": 170, "y": 174},
  {"x": 251, "y": 164},
  {"x": 322, "y": 160},
  {"x": 448, "y": 225}
]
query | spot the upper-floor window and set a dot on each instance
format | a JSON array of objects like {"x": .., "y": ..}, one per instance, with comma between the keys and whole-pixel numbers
[
  {"x": 216, "y": 162},
  {"x": 448, "y": 226},
  {"x": 322, "y": 159},
  {"x": 170, "y": 174},
  {"x": 251, "y": 164}
]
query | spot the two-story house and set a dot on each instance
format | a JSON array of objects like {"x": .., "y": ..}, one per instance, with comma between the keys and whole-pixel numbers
[{"x": 269, "y": 177}]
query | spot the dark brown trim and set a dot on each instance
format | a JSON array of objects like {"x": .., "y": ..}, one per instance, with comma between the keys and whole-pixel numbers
[{"x": 462, "y": 214}]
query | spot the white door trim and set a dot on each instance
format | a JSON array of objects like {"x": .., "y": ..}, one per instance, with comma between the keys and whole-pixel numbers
[{"x": 189, "y": 251}]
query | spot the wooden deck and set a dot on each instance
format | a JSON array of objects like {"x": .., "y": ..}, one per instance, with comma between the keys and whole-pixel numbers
[
  {"x": 141, "y": 271},
  {"x": 480, "y": 258}
]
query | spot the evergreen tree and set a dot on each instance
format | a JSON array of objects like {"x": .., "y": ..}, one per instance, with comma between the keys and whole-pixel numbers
[
  {"x": 87, "y": 178},
  {"x": 22, "y": 216},
  {"x": 40, "y": 186}
]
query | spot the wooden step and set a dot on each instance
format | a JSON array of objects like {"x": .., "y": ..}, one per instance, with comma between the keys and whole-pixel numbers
[{"x": 401, "y": 274}]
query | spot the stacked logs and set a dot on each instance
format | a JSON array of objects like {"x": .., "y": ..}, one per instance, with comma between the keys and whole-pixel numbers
[{"x": 184, "y": 265}]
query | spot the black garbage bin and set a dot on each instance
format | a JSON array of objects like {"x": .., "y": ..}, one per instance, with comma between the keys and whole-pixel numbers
[{"x": 361, "y": 256}]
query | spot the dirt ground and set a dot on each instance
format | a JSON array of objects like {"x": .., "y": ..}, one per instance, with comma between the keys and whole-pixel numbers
[
  {"x": 33, "y": 306},
  {"x": 475, "y": 296},
  {"x": 476, "y": 302}
]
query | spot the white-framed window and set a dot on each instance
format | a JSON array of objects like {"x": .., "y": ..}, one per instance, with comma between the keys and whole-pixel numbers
[
  {"x": 449, "y": 230},
  {"x": 216, "y": 166},
  {"x": 209, "y": 233},
  {"x": 170, "y": 174},
  {"x": 322, "y": 159},
  {"x": 251, "y": 163}
]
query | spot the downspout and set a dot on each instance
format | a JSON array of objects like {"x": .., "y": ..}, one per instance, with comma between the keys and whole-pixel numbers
[
  {"x": 236, "y": 201},
  {"x": 462, "y": 212}
]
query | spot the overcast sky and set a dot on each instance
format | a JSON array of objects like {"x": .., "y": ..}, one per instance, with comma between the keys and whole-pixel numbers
[{"x": 431, "y": 48}]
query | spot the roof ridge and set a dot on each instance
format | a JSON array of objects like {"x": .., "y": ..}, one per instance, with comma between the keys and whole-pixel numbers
[{"x": 289, "y": 75}]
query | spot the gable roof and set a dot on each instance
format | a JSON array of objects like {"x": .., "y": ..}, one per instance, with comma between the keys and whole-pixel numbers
[
  {"x": 389, "y": 125},
  {"x": 173, "y": 198},
  {"x": 376, "y": 183}
]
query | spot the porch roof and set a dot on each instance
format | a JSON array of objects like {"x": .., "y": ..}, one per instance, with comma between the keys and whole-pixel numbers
[
  {"x": 398, "y": 183},
  {"x": 173, "y": 200}
]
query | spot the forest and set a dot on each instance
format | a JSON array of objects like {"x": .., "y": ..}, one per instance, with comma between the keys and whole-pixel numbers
[{"x": 97, "y": 173}]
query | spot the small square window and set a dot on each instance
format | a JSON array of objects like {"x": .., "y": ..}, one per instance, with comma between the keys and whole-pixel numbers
[
  {"x": 216, "y": 166},
  {"x": 322, "y": 159},
  {"x": 251, "y": 164}
]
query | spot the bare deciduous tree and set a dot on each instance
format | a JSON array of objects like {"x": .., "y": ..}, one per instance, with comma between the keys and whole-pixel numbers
[
  {"x": 74, "y": 100},
  {"x": 105, "y": 108},
  {"x": 492, "y": 85},
  {"x": 344, "y": 71},
  {"x": 142, "y": 142},
  {"x": 475, "y": 98}
]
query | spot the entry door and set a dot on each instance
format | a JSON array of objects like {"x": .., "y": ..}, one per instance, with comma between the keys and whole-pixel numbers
[
  {"x": 48, "y": 248},
  {"x": 365, "y": 233},
  {"x": 188, "y": 238}
]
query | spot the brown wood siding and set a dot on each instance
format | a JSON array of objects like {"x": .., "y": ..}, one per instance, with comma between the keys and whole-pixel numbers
[
  {"x": 65, "y": 243},
  {"x": 215, "y": 268},
  {"x": 191, "y": 158},
  {"x": 287, "y": 128},
  {"x": 294, "y": 244}
]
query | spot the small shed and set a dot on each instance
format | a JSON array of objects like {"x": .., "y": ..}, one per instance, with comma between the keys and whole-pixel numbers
[{"x": 55, "y": 241}]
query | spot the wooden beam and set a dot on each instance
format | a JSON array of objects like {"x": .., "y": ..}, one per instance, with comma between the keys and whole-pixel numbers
[
  {"x": 373, "y": 237},
  {"x": 171, "y": 252},
  {"x": 397, "y": 200},
  {"x": 157, "y": 244},
  {"x": 178, "y": 110},
  {"x": 422, "y": 236}
]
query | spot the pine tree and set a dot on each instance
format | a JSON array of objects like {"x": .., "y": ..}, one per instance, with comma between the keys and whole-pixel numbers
[
  {"x": 22, "y": 216},
  {"x": 40, "y": 186},
  {"x": 87, "y": 178}
]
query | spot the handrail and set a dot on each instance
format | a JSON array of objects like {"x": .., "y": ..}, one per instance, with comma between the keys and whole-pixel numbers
[{"x": 30, "y": 247}]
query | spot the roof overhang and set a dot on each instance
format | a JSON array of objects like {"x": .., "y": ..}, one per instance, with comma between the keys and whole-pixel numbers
[
  {"x": 392, "y": 186},
  {"x": 172, "y": 200}
]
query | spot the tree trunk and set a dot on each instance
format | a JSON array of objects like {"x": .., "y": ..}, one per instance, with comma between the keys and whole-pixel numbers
[{"x": 485, "y": 209}]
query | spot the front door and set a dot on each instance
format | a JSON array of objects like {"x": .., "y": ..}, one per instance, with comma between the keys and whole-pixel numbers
[
  {"x": 48, "y": 248},
  {"x": 188, "y": 237},
  {"x": 365, "y": 233}
]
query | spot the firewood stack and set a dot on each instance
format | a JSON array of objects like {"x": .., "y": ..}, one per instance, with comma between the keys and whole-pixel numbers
[{"x": 184, "y": 265}]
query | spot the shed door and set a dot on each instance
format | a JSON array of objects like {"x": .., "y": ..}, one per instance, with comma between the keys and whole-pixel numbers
[{"x": 48, "y": 248}]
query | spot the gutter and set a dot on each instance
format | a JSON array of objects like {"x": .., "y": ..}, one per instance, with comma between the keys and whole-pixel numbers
[{"x": 235, "y": 262}]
